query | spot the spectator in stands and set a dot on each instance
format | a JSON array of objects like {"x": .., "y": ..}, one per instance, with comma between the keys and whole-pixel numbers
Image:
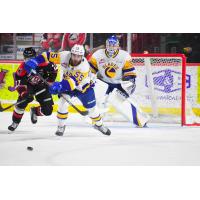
[
  {"x": 192, "y": 55},
  {"x": 51, "y": 41},
  {"x": 190, "y": 43},
  {"x": 70, "y": 39}
]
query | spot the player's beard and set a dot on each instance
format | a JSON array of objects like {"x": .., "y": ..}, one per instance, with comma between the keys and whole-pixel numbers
[{"x": 75, "y": 62}]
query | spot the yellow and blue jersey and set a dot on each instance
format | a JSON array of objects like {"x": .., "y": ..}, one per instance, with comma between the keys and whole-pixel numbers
[{"x": 112, "y": 69}]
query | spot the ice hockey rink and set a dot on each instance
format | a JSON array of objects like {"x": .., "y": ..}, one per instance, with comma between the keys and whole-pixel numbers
[{"x": 160, "y": 144}]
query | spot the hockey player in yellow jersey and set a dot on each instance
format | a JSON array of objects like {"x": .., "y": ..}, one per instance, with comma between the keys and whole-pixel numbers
[
  {"x": 114, "y": 67},
  {"x": 76, "y": 82}
]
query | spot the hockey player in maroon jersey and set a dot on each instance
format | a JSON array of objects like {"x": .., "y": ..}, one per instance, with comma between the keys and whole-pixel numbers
[{"x": 27, "y": 85}]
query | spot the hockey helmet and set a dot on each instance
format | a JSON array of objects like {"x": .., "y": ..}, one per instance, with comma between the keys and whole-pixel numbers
[
  {"x": 78, "y": 50},
  {"x": 29, "y": 52},
  {"x": 112, "y": 45}
]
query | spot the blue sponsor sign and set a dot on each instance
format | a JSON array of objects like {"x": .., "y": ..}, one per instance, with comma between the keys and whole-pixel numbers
[{"x": 168, "y": 80}]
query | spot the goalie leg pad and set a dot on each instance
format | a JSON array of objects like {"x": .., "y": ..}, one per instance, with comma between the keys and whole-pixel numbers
[
  {"x": 128, "y": 108},
  {"x": 103, "y": 104}
]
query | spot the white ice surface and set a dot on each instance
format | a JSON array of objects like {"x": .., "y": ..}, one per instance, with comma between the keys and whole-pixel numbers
[{"x": 83, "y": 145}]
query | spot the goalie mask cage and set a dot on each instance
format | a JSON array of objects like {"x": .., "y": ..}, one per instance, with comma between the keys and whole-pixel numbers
[{"x": 167, "y": 89}]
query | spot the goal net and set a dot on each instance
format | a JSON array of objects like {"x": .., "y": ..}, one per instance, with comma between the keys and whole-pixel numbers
[{"x": 166, "y": 88}]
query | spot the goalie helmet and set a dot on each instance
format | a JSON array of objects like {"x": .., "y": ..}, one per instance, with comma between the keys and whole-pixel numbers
[
  {"x": 78, "y": 50},
  {"x": 112, "y": 46},
  {"x": 29, "y": 52}
]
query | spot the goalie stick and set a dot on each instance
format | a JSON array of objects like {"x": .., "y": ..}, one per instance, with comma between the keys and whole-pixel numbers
[
  {"x": 83, "y": 113},
  {"x": 17, "y": 103}
]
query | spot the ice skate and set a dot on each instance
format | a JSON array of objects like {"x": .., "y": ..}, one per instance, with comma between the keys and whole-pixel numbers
[
  {"x": 103, "y": 129},
  {"x": 60, "y": 131},
  {"x": 33, "y": 115},
  {"x": 13, "y": 126}
]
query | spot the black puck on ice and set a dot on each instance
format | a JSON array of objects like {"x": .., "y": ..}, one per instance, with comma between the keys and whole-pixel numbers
[{"x": 30, "y": 148}]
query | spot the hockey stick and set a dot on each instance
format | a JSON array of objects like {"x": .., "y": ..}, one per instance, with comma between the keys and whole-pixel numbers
[
  {"x": 17, "y": 103},
  {"x": 83, "y": 113}
]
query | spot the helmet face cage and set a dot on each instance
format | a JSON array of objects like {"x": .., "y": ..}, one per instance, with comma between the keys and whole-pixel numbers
[{"x": 112, "y": 45}]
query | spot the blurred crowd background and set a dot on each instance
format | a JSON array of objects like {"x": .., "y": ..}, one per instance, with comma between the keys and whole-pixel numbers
[{"x": 13, "y": 44}]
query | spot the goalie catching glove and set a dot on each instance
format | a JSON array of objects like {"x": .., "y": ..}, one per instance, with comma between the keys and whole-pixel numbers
[{"x": 128, "y": 84}]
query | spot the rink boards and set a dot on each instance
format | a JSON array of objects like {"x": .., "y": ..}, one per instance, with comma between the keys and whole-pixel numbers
[{"x": 192, "y": 84}]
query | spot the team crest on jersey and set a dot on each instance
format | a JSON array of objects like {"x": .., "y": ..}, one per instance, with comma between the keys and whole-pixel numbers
[{"x": 110, "y": 70}]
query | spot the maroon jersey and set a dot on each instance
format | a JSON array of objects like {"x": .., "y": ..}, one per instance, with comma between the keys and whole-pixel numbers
[{"x": 47, "y": 70}]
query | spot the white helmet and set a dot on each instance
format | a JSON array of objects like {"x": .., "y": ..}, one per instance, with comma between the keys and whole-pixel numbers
[{"x": 78, "y": 50}]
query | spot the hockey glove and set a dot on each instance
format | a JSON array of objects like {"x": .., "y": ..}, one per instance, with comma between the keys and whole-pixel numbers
[
  {"x": 55, "y": 88},
  {"x": 30, "y": 65},
  {"x": 22, "y": 90}
]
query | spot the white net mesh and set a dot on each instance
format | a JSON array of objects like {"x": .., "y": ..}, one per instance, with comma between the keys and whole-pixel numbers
[{"x": 159, "y": 83}]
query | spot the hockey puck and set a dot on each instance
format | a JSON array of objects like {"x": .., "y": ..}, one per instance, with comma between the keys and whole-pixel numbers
[{"x": 30, "y": 148}]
